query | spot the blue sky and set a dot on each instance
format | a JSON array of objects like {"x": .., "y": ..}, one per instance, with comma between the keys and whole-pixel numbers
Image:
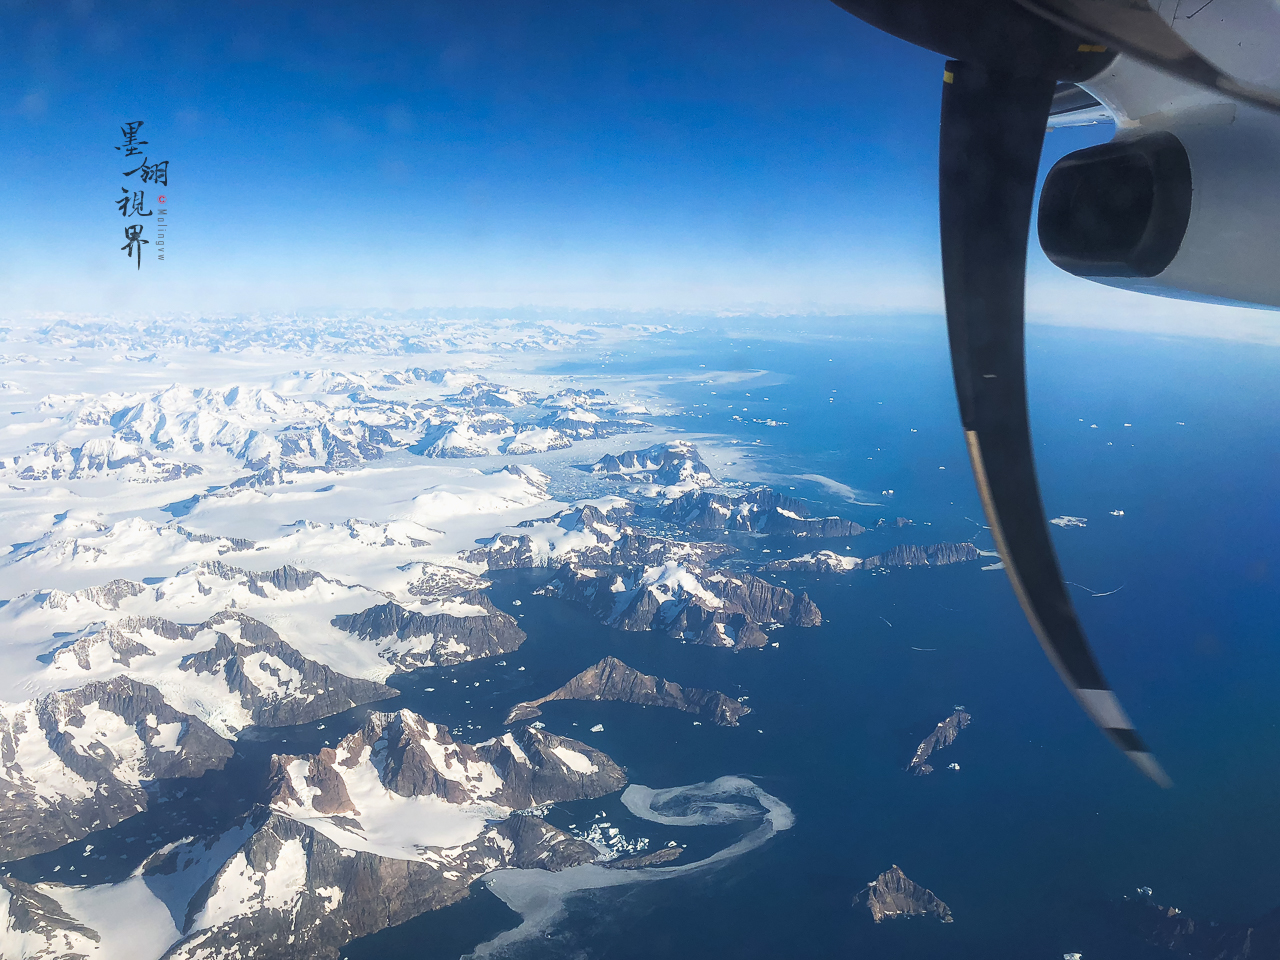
[{"x": 671, "y": 155}]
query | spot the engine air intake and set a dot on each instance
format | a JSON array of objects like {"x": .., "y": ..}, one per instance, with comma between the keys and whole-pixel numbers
[{"x": 1119, "y": 209}]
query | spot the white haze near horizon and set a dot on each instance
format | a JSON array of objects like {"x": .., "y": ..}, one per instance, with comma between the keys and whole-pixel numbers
[{"x": 683, "y": 302}]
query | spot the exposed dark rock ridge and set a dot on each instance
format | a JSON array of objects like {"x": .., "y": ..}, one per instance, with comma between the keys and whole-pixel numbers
[
  {"x": 291, "y": 891},
  {"x": 119, "y": 645},
  {"x": 542, "y": 775},
  {"x": 822, "y": 561},
  {"x": 762, "y": 510},
  {"x": 611, "y": 679},
  {"x": 448, "y": 639},
  {"x": 485, "y": 393},
  {"x": 226, "y": 544},
  {"x": 661, "y": 855},
  {"x": 720, "y": 609},
  {"x": 903, "y": 555},
  {"x": 95, "y": 784},
  {"x": 283, "y": 688},
  {"x": 95, "y": 458},
  {"x": 264, "y": 477},
  {"x": 1184, "y": 937},
  {"x": 340, "y": 894},
  {"x": 581, "y": 424},
  {"x": 287, "y": 578},
  {"x": 663, "y": 463},
  {"x": 39, "y": 915},
  {"x": 107, "y": 596},
  {"x": 935, "y": 555},
  {"x": 111, "y": 594},
  {"x": 892, "y": 895},
  {"x": 304, "y": 445},
  {"x": 529, "y": 762},
  {"x": 279, "y": 688},
  {"x": 438, "y": 581},
  {"x": 943, "y": 736}
]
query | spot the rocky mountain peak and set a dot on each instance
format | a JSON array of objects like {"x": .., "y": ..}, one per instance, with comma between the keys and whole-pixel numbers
[
  {"x": 892, "y": 895},
  {"x": 413, "y": 757},
  {"x": 611, "y": 679}
]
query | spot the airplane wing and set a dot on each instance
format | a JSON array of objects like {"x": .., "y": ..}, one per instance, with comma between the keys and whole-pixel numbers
[{"x": 1073, "y": 106}]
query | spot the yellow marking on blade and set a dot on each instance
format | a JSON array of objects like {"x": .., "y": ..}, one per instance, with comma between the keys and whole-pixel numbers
[
  {"x": 948, "y": 76},
  {"x": 1091, "y": 48}
]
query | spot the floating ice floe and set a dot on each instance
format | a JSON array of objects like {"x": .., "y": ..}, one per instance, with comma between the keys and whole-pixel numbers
[
  {"x": 540, "y": 897},
  {"x": 1065, "y": 521}
]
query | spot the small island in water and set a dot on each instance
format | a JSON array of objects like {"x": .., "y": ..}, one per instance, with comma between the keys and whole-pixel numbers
[
  {"x": 943, "y": 736},
  {"x": 611, "y": 679},
  {"x": 893, "y": 895}
]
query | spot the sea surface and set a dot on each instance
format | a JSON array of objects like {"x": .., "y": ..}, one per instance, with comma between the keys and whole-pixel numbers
[{"x": 1044, "y": 822}]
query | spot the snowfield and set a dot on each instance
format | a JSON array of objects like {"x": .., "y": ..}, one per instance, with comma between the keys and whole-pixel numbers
[{"x": 209, "y": 527}]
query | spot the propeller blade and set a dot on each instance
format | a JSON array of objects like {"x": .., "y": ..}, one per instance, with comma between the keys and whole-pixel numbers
[{"x": 993, "y": 127}]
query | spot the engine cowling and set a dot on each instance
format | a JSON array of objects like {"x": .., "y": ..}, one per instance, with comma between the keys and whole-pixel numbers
[{"x": 1191, "y": 212}]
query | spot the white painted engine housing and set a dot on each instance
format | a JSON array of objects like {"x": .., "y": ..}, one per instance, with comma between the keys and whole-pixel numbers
[{"x": 1230, "y": 248}]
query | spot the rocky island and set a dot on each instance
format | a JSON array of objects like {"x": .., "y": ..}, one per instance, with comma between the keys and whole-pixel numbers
[
  {"x": 611, "y": 679},
  {"x": 943, "y": 736},
  {"x": 903, "y": 555},
  {"x": 892, "y": 895},
  {"x": 659, "y": 856}
]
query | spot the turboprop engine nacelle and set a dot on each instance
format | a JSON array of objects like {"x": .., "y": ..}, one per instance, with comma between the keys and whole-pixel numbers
[{"x": 1191, "y": 211}]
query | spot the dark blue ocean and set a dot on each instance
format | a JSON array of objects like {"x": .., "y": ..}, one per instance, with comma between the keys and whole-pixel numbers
[{"x": 1045, "y": 821}]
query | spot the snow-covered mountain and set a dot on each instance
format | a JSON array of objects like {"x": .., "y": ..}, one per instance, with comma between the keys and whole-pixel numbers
[
  {"x": 77, "y": 761},
  {"x": 685, "y": 600},
  {"x": 762, "y": 510},
  {"x": 668, "y": 469},
  {"x": 396, "y": 820},
  {"x": 213, "y": 530},
  {"x": 443, "y": 632},
  {"x": 591, "y": 533},
  {"x": 304, "y": 422}
]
